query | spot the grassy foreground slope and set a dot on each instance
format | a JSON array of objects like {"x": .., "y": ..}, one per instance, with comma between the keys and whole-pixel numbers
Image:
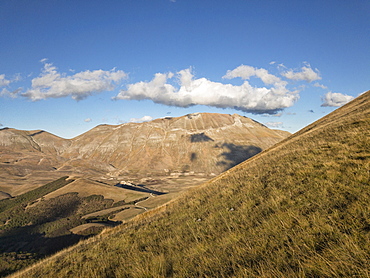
[{"x": 299, "y": 209}]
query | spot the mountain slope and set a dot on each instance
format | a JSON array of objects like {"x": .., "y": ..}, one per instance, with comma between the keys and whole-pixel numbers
[
  {"x": 201, "y": 143},
  {"x": 29, "y": 159},
  {"x": 300, "y": 209}
]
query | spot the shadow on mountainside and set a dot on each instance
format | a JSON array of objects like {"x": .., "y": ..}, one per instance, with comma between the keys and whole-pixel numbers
[
  {"x": 236, "y": 154},
  {"x": 24, "y": 239},
  {"x": 200, "y": 137},
  {"x": 19, "y": 250},
  {"x": 139, "y": 188},
  {"x": 36, "y": 133}
]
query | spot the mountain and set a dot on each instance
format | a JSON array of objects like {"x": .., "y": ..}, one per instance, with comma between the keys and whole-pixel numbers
[
  {"x": 201, "y": 144},
  {"x": 299, "y": 209}
]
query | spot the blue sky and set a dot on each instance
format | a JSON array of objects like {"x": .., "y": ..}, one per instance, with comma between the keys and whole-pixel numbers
[{"x": 67, "y": 66}]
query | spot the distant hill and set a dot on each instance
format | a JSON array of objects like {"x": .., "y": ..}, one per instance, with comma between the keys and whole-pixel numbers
[
  {"x": 202, "y": 143},
  {"x": 29, "y": 159},
  {"x": 299, "y": 209}
]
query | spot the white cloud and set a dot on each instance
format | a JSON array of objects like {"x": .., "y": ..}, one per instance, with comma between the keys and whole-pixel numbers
[
  {"x": 4, "y": 82},
  {"x": 141, "y": 120},
  {"x": 336, "y": 99},
  {"x": 52, "y": 84},
  {"x": 13, "y": 94},
  {"x": 320, "y": 86},
  {"x": 205, "y": 92},
  {"x": 274, "y": 124},
  {"x": 87, "y": 120},
  {"x": 306, "y": 73},
  {"x": 245, "y": 72}
]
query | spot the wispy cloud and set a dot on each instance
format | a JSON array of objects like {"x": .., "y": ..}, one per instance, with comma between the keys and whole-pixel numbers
[
  {"x": 3, "y": 81},
  {"x": 13, "y": 94},
  {"x": 52, "y": 84},
  {"x": 202, "y": 91},
  {"x": 336, "y": 99},
  {"x": 141, "y": 120},
  {"x": 87, "y": 120},
  {"x": 274, "y": 124},
  {"x": 320, "y": 85}
]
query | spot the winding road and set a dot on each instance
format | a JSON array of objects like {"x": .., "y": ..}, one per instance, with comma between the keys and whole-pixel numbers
[{"x": 141, "y": 207}]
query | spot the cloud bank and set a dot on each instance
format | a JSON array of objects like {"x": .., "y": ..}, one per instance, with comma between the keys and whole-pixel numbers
[
  {"x": 52, "y": 84},
  {"x": 275, "y": 94},
  {"x": 270, "y": 99},
  {"x": 336, "y": 99}
]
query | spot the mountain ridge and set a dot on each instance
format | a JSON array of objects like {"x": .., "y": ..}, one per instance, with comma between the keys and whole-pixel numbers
[{"x": 204, "y": 143}]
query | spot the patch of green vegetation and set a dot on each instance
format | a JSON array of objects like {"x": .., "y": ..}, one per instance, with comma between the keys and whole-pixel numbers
[
  {"x": 91, "y": 231},
  {"x": 11, "y": 262},
  {"x": 30, "y": 224},
  {"x": 33, "y": 195},
  {"x": 300, "y": 209},
  {"x": 105, "y": 218}
]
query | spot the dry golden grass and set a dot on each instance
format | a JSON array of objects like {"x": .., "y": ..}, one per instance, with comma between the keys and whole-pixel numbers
[
  {"x": 86, "y": 187},
  {"x": 299, "y": 209}
]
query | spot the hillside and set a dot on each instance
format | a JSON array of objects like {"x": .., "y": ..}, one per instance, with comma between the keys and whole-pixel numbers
[
  {"x": 29, "y": 159},
  {"x": 201, "y": 144},
  {"x": 299, "y": 209}
]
